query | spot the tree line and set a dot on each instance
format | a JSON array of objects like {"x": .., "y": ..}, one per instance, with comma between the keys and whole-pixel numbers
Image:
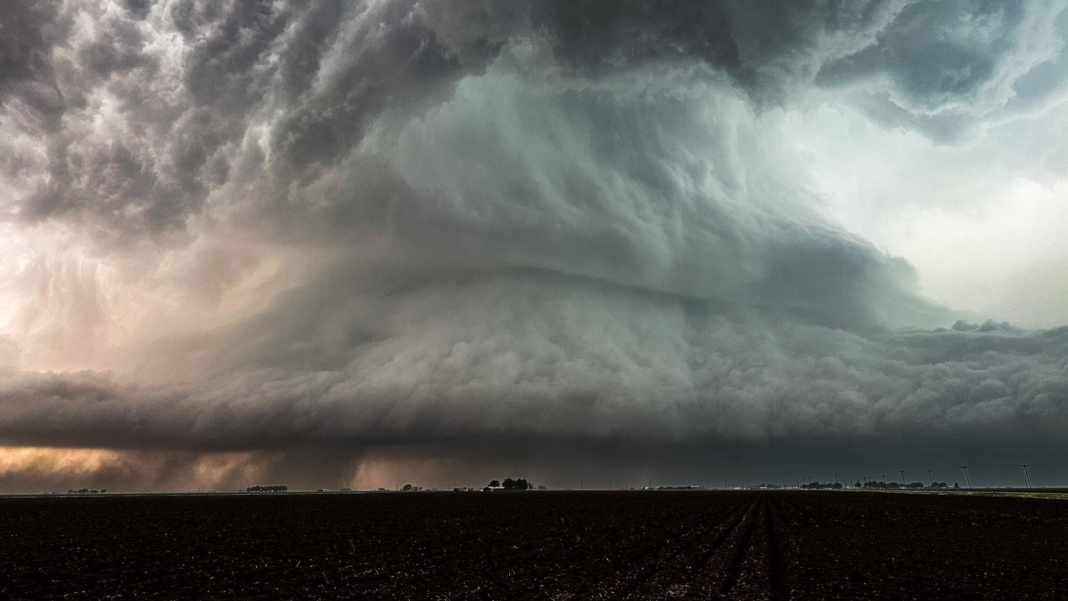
[
  {"x": 267, "y": 489},
  {"x": 511, "y": 484}
]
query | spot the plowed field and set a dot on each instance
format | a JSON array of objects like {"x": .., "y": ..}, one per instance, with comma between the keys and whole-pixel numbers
[{"x": 542, "y": 545}]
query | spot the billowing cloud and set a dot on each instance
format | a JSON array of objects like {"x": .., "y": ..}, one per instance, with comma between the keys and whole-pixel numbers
[
  {"x": 528, "y": 354},
  {"x": 942, "y": 67},
  {"x": 252, "y": 228}
]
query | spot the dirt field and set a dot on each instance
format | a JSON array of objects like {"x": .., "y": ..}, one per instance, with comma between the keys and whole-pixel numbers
[{"x": 543, "y": 545}]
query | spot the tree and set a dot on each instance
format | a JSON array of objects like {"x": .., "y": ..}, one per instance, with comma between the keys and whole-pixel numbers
[
  {"x": 407, "y": 487},
  {"x": 267, "y": 489},
  {"x": 508, "y": 484},
  {"x": 495, "y": 484}
]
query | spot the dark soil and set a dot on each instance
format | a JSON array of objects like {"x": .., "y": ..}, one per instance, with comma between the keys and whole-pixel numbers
[{"x": 542, "y": 545}]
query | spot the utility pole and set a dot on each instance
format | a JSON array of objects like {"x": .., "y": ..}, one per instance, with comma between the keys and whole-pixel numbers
[
  {"x": 836, "y": 480},
  {"x": 1027, "y": 477},
  {"x": 902, "y": 478},
  {"x": 882, "y": 482},
  {"x": 967, "y": 481},
  {"x": 930, "y": 483}
]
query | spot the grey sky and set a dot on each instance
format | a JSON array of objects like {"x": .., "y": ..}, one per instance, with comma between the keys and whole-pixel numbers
[{"x": 239, "y": 235}]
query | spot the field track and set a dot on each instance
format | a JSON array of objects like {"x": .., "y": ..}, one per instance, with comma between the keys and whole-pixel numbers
[{"x": 545, "y": 545}]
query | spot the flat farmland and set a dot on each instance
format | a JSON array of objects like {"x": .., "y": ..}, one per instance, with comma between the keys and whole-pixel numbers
[{"x": 536, "y": 545}]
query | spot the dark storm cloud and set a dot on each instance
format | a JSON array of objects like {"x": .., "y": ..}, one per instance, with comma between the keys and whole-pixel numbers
[
  {"x": 949, "y": 64},
  {"x": 763, "y": 45},
  {"x": 547, "y": 220},
  {"x": 936, "y": 52},
  {"x": 247, "y": 58},
  {"x": 26, "y": 72},
  {"x": 188, "y": 112},
  {"x": 531, "y": 355}
]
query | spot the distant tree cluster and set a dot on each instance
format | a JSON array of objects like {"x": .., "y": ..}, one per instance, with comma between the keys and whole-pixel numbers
[
  {"x": 517, "y": 484},
  {"x": 267, "y": 489},
  {"x": 511, "y": 484},
  {"x": 86, "y": 491},
  {"x": 410, "y": 488}
]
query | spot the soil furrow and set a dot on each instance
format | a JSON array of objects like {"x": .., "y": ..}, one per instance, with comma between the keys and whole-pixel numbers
[
  {"x": 746, "y": 550},
  {"x": 777, "y": 566},
  {"x": 711, "y": 571},
  {"x": 739, "y": 555},
  {"x": 720, "y": 540},
  {"x": 671, "y": 578},
  {"x": 635, "y": 578}
]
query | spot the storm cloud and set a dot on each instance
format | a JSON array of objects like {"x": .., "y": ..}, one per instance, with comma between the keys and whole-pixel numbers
[{"x": 254, "y": 228}]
